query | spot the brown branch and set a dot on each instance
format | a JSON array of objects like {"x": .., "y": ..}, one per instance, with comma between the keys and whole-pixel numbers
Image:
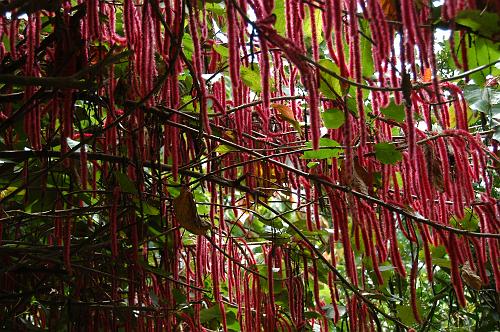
[
  {"x": 62, "y": 82},
  {"x": 21, "y": 155}
]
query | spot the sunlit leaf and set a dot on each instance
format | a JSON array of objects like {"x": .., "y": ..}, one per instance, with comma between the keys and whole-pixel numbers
[
  {"x": 329, "y": 85},
  {"x": 222, "y": 50},
  {"x": 323, "y": 153},
  {"x": 333, "y": 118},
  {"x": 469, "y": 222},
  {"x": 251, "y": 77},
  {"x": 223, "y": 148}
]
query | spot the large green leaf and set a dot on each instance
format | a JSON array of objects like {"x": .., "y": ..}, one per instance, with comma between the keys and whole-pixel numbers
[
  {"x": 405, "y": 313},
  {"x": 126, "y": 184},
  {"x": 308, "y": 27},
  {"x": 279, "y": 11},
  {"x": 469, "y": 222},
  {"x": 483, "y": 22},
  {"x": 480, "y": 51},
  {"x": 485, "y": 100},
  {"x": 323, "y": 153},
  {"x": 333, "y": 118},
  {"x": 187, "y": 45},
  {"x": 215, "y": 7},
  {"x": 223, "y": 148},
  {"x": 394, "y": 112},
  {"x": 208, "y": 314},
  {"x": 386, "y": 153}
]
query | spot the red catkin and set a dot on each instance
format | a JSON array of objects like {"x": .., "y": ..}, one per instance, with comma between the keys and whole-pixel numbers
[
  {"x": 456, "y": 280},
  {"x": 413, "y": 291},
  {"x": 234, "y": 53},
  {"x": 265, "y": 79},
  {"x": 314, "y": 34},
  {"x": 197, "y": 60}
]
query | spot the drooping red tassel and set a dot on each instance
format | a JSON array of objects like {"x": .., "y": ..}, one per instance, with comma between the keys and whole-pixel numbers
[
  {"x": 413, "y": 291},
  {"x": 456, "y": 280}
]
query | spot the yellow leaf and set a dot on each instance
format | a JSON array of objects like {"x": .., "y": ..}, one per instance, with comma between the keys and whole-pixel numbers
[
  {"x": 230, "y": 135},
  {"x": 286, "y": 113},
  {"x": 427, "y": 77}
]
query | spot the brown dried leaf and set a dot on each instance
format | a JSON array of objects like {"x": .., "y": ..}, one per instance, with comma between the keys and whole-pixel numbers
[
  {"x": 470, "y": 277},
  {"x": 433, "y": 167},
  {"x": 187, "y": 215},
  {"x": 362, "y": 180},
  {"x": 389, "y": 9}
]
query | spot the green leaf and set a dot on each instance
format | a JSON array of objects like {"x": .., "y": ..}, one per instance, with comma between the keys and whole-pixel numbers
[
  {"x": 222, "y": 50},
  {"x": 388, "y": 267},
  {"x": 179, "y": 296},
  {"x": 307, "y": 27},
  {"x": 329, "y": 311},
  {"x": 394, "y": 112},
  {"x": 352, "y": 106},
  {"x": 367, "y": 66},
  {"x": 329, "y": 85},
  {"x": 251, "y": 77},
  {"x": 188, "y": 45},
  {"x": 232, "y": 320},
  {"x": 496, "y": 134},
  {"x": 333, "y": 118},
  {"x": 208, "y": 314},
  {"x": 149, "y": 210},
  {"x": 469, "y": 222},
  {"x": 215, "y": 7},
  {"x": 311, "y": 314},
  {"x": 125, "y": 183},
  {"x": 279, "y": 11},
  {"x": 442, "y": 262},
  {"x": 484, "y": 22},
  {"x": 485, "y": 100},
  {"x": 405, "y": 314},
  {"x": 386, "y": 153},
  {"x": 438, "y": 253},
  {"x": 323, "y": 153},
  {"x": 480, "y": 51},
  {"x": 312, "y": 164}
]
